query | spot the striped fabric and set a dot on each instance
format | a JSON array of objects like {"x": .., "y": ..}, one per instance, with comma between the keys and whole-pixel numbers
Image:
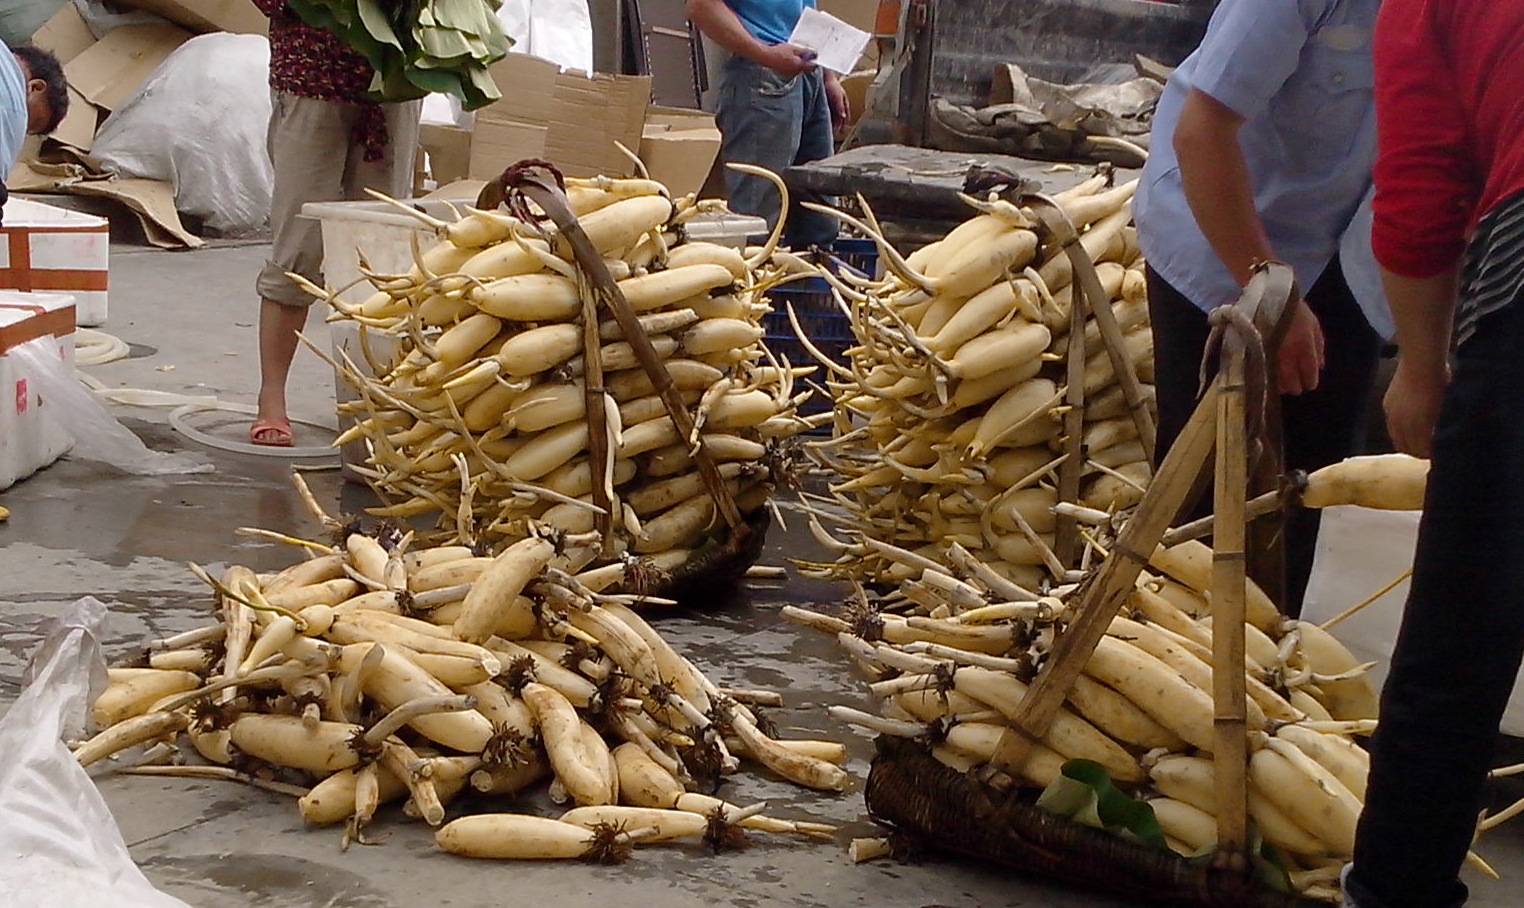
[{"x": 1492, "y": 275}]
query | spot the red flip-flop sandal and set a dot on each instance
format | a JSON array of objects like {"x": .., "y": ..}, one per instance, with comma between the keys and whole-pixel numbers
[{"x": 271, "y": 433}]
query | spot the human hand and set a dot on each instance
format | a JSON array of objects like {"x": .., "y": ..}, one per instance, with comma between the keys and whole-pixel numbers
[
  {"x": 1301, "y": 352},
  {"x": 788, "y": 60},
  {"x": 1412, "y": 406},
  {"x": 841, "y": 106}
]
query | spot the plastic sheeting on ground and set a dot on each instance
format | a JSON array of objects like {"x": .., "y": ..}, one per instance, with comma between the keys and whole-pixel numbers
[{"x": 59, "y": 846}]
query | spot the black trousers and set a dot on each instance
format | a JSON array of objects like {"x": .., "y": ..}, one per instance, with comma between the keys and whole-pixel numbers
[
  {"x": 1458, "y": 651},
  {"x": 1320, "y": 427}
]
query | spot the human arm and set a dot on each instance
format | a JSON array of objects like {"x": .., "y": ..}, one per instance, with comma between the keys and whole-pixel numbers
[
  {"x": 1215, "y": 177},
  {"x": 721, "y": 24},
  {"x": 1426, "y": 191},
  {"x": 1422, "y": 308},
  {"x": 841, "y": 106}
]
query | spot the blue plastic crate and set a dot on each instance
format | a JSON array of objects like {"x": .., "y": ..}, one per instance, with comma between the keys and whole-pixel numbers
[
  {"x": 861, "y": 255},
  {"x": 824, "y": 325}
]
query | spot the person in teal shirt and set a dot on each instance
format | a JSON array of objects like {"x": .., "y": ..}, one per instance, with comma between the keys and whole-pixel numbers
[{"x": 776, "y": 107}]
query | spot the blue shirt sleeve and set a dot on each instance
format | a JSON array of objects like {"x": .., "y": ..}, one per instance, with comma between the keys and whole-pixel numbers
[{"x": 1251, "y": 48}]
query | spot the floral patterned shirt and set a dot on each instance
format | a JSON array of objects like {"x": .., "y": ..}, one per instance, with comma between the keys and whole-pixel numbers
[{"x": 312, "y": 62}]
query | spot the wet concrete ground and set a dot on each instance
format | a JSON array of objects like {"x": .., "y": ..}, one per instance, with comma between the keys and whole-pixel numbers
[{"x": 78, "y": 529}]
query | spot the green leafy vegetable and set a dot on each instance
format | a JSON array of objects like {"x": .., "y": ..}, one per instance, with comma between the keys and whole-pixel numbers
[{"x": 419, "y": 46}]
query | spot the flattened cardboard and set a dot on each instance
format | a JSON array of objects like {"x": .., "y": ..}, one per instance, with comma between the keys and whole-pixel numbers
[
  {"x": 66, "y": 34},
  {"x": 77, "y": 129},
  {"x": 498, "y": 144},
  {"x": 110, "y": 70},
  {"x": 153, "y": 201},
  {"x": 238, "y": 16}
]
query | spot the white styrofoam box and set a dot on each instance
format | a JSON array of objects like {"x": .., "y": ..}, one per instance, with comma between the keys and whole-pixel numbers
[
  {"x": 49, "y": 249},
  {"x": 1361, "y": 550},
  {"x": 42, "y": 324},
  {"x": 58, "y": 315}
]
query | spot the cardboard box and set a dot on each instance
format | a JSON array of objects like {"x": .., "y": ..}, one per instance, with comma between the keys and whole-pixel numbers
[
  {"x": 66, "y": 34},
  {"x": 449, "y": 151},
  {"x": 583, "y": 115},
  {"x": 861, "y": 14},
  {"x": 499, "y": 144},
  {"x": 679, "y": 147},
  {"x": 43, "y": 248},
  {"x": 41, "y": 324},
  {"x": 109, "y": 71},
  {"x": 238, "y": 16}
]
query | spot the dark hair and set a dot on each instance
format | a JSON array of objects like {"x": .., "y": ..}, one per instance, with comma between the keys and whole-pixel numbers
[{"x": 41, "y": 64}]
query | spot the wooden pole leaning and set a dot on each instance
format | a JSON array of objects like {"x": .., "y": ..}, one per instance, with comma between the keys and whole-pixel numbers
[
  {"x": 1266, "y": 302},
  {"x": 1087, "y": 279},
  {"x": 539, "y": 185}
]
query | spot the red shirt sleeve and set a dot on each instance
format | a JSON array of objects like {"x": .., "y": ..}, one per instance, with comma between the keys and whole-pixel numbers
[{"x": 1427, "y": 177}]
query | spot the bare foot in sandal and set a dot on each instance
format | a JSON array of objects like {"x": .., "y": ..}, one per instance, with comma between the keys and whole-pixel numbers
[{"x": 271, "y": 433}]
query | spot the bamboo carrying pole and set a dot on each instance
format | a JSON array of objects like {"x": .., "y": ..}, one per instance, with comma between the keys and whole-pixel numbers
[
  {"x": 1266, "y": 302},
  {"x": 1088, "y": 298},
  {"x": 1230, "y": 756},
  {"x": 538, "y": 182}
]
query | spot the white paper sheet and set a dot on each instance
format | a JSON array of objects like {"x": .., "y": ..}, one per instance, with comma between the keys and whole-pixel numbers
[{"x": 837, "y": 45}]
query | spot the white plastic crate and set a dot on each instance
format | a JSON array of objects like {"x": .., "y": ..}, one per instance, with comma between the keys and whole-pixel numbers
[
  {"x": 384, "y": 236},
  {"x": 55, "y": 250}
]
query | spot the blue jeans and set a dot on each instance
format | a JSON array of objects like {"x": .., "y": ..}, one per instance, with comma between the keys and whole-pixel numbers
[
  {"x": 1462, "y": 637},
  {"x": 775, "y": 123}
]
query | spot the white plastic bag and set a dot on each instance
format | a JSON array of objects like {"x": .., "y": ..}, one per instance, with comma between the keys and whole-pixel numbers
[
  {"x": 97, "y": 434},
  {"x": 557, "y": 30},
  {"x": 59, "y": 846},
  {"x": 199, "y": 124},
  {"x": 1360, "y": 551}
]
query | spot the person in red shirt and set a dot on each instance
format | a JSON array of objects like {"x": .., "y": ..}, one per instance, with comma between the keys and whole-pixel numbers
[
  {"x": 328, "y": 142},
  {"x": 1449, "y": 234}
]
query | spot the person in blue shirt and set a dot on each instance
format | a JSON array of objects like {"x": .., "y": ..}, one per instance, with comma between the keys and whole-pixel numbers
[
  {"x": 1264, "y": 143},
  {"x": 33, "y": 98},
  {"x": 776, "y": 107}
]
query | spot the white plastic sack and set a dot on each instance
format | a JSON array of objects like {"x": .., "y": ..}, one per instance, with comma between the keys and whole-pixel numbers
[
  {"x": 97, "y": 434},
  {"x": 59, "y": 846},
  {"x": 557, "y": 30},
  {"x": 1360, "y": 551},
  {"x": 199, "y": 124}
]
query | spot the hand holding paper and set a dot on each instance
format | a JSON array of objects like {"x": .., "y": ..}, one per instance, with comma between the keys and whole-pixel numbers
[{"x": 836, "y": 45}]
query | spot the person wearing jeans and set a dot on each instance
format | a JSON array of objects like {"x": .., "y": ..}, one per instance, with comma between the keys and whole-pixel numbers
[
  {"x": 1449, "y": 230},
  {"x": 1265, "y": 139},
  {"x": 776, "y": 107}
]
